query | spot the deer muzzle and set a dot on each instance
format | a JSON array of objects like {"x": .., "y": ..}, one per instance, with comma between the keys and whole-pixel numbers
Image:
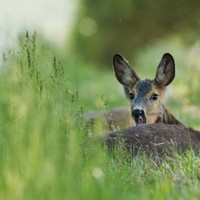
[{"x": 139, "y": 116}]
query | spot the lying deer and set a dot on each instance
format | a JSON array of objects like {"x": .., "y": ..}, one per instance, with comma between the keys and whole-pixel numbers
[
  {"x": 163, "y": 132},
  {"x": 156, "y": 140}
]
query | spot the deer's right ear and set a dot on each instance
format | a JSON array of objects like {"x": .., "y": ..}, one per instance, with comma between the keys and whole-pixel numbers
[{"x": 124, "y": 73}]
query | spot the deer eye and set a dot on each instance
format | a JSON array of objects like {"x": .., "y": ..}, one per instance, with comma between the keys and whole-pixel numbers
[
  {"x": 154, "y": 97},
  {"x": 132, "y": 96}
]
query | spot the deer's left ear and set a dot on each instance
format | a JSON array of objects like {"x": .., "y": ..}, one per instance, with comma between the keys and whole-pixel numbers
[{"x": 166, "y": 71}]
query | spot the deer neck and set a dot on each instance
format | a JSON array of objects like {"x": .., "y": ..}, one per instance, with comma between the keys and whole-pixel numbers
[{"x": 166, "y": 117}]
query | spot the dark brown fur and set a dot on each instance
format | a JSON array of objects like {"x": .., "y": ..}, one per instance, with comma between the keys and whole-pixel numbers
[{"x": 156, "y": 140}]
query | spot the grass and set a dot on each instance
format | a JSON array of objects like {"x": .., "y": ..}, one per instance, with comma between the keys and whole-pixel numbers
[{"x": 45, "y": 149}]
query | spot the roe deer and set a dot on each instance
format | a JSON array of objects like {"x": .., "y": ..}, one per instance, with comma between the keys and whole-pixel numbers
[
  {"x": 146, "y": 96},
  {"x": 162, "y": 132},
  {"x": 156, "y": 140}
]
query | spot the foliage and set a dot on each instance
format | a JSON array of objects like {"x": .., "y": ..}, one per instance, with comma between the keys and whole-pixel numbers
[
  {"x": 104, "y": 28},
  {"x": 46, "y": 151}
]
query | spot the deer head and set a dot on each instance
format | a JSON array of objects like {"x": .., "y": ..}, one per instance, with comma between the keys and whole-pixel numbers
[{"x": 146, "y": 96}]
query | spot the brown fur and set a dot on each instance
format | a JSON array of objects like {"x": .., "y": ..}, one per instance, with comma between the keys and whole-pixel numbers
[{"x": 156, "y": 140}]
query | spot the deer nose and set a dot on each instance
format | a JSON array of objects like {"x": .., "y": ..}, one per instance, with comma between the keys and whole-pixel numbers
[{"x": 137, "y": 112}]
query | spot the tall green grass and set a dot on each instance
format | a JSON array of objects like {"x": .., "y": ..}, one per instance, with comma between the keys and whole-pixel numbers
[{"x": 46, "y": 151}]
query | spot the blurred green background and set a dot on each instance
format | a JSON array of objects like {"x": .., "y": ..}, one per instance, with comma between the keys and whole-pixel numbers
[
  {"x": 103, "y": 28},
  {"x": 46, "y": 150}
]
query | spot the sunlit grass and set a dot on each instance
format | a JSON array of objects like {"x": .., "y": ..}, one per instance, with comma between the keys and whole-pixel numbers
[{"x": 46, "y": 151}]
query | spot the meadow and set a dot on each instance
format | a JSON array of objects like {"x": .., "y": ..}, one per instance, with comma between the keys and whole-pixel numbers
[{"x": 46, "y": 151}]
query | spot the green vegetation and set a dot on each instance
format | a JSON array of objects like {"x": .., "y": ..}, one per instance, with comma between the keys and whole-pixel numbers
[{"x": 45, "y": 148}]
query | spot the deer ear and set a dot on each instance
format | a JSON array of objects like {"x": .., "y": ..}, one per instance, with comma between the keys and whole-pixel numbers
[
  {"x": 123, "y": 72},
  {"x": 166, "y": 71}
]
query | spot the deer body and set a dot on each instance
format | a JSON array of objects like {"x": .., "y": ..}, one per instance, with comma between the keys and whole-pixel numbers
[{"x": 156, "y": 140}]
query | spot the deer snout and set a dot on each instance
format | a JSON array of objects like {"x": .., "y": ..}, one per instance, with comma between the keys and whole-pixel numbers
[
  {"x": 137, "y": 112},
  {"x": 139, "y": 116}
]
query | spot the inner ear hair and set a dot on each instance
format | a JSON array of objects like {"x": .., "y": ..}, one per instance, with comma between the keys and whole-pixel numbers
[
  {"x": 165, "y": 71},
  {"x": 123, "y": 72}
]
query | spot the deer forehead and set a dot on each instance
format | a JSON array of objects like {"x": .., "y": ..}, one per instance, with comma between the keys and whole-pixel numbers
[{"x": 147, "y": 87}]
